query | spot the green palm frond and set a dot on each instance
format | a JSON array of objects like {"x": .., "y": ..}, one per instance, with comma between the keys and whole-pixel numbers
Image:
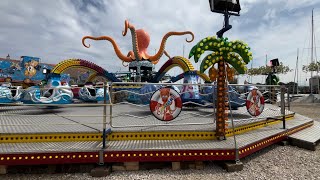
[
  {"x": 208, "y": 61},
  {"x": 236, "y": 53}
]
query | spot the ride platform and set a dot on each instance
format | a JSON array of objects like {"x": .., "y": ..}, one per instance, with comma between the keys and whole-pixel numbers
[
  {"x": 32, "y": 135},
  {"x": 308, "y": 138}
]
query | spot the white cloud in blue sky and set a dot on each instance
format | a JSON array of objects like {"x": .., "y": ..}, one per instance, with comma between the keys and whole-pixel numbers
[{"x": 52, "y": 30}]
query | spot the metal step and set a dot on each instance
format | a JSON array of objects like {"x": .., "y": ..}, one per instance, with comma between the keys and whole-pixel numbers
[{"x": 307, "y": 138}]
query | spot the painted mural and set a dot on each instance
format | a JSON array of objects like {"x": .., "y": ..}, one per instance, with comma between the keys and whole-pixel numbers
[
  {"x": 27, "y": 68},
  {"x": 81, "y": 75}
]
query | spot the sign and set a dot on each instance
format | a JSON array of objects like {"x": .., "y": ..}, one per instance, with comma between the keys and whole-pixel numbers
[
  {"x": 255, "y": 102},
  {"x": 165, "y": 104}
]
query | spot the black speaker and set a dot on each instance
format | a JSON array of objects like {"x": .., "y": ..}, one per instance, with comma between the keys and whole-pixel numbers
[
  {"x": 225, "y": 5},
  {"x": 274, "y": 62}
]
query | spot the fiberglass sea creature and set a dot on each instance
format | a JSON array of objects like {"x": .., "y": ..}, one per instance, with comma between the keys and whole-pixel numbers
[
  {"x": 140, "y": 43},
  {"x": 10, "y": 94},
  {"x": 90, "y": 93},
  {"x": 53, "y": 93}
]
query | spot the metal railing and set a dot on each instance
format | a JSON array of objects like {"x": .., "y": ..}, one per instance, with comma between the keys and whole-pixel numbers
[{"x": 126, "y": 107}]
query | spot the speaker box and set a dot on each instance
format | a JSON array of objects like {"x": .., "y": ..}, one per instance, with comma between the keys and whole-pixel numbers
[{"x": 274, "y": 62}]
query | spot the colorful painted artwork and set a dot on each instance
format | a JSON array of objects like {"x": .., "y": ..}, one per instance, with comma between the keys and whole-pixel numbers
[
  {"x": 255, "y": 102},
  {"x": 166, "y": 104},
  {"x": 27, "y": 68},
  {"x": 190, "y": 91},
  {"x": 78, "y": 75}
]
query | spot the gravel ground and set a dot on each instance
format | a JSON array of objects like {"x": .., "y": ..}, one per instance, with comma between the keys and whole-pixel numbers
[
  {"x": 274, "y": 162},
  {"x": 311, "y": 110}
]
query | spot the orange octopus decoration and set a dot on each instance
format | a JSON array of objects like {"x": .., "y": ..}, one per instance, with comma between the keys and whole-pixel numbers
[{"x": 140, "y": 43}]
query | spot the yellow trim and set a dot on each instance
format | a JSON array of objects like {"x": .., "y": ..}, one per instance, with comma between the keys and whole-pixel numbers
[
  {"x": 60, "y": 67},
  {"x": 181, "y": 62},
  {"x": 186, "y": 62},
  {"x": 256, "y": 125},
  {"x": 22, "y": 138},
  {"x": 122, "y": 136},
  {"x": 203, "y": 76},
  {"x": 77, "y": 66}
]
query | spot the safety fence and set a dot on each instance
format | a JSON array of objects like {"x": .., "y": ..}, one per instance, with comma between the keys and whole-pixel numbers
[
  {"x": 131, "y": 109},
  {"x": 137, "y": 107}
]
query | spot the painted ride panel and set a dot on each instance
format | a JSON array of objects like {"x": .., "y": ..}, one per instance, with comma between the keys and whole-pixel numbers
[
  {"x": 53, "y": 93},
  {"x": 190, "y": 93},
  {"x": 89, "y": 93},
  {"x": 26, "y": 68}
]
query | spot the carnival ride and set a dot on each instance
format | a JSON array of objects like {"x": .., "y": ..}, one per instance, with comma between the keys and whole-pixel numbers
[
  {"x": 63, "y": 66},
  {"x": 53, "y": 93},
  {"x": 10, "y": 94},
  {"x": 134, "y": 133},
  {"x": 91, "y": 93},
  {"x": 26, "y": 70}
]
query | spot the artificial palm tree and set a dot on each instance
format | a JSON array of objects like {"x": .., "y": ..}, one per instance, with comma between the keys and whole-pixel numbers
[{"x": 230, "y": 56}]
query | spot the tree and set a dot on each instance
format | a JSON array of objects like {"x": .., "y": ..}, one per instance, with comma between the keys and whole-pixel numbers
[
  {"x": 272, "y": 79},
  {"x": 228, "y": 55},
  {"x": 265, "y": 70},
  {"x": 314, "y": 66}
]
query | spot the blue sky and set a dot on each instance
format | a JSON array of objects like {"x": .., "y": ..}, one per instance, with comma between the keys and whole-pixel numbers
[{"x": 52, "y": 30}]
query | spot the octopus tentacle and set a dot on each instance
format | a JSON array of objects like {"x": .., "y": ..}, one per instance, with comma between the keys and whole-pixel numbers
[
  {"x": 115, "y": 46},
  {"x": 165, "y": 53},
  {"x": 163, "y": 42},
  {"x": 131, "y": 55},
  {"x": 126, "y": 25},
  {"x": 155, "y": 62},
  {"x": 135, "y": 48}
]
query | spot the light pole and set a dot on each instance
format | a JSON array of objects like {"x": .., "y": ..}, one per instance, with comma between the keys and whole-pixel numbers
[{"x": 227, "y": 8}]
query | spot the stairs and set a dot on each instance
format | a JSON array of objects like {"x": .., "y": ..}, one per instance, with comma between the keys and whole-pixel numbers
[{"x": 307, "y": 138}]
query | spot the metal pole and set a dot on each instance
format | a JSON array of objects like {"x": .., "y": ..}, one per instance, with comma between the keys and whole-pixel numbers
[
  {"x": 110, "y": 100},
  {"x": 311, "y": 83},
  {"x": 251, "y": 68},
  {"x": 266, "y": 60},
  {"x": 288, "y": 99},
  {"x": 226, "y": 26},
  {"x": 296, "y": 73},
  {"x": 237, "y": 159},
  {"x": 214, "y": 96},
  {"x": 282, "y": 90},
  {"x": 104, "y": 116}
]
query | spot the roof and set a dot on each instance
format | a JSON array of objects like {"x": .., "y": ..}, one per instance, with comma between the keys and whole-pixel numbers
[{"x": 17, "y": 61}]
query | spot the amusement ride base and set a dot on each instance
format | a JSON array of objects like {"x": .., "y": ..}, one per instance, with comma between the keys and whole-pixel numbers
[{"x": 59, "y": 136}]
